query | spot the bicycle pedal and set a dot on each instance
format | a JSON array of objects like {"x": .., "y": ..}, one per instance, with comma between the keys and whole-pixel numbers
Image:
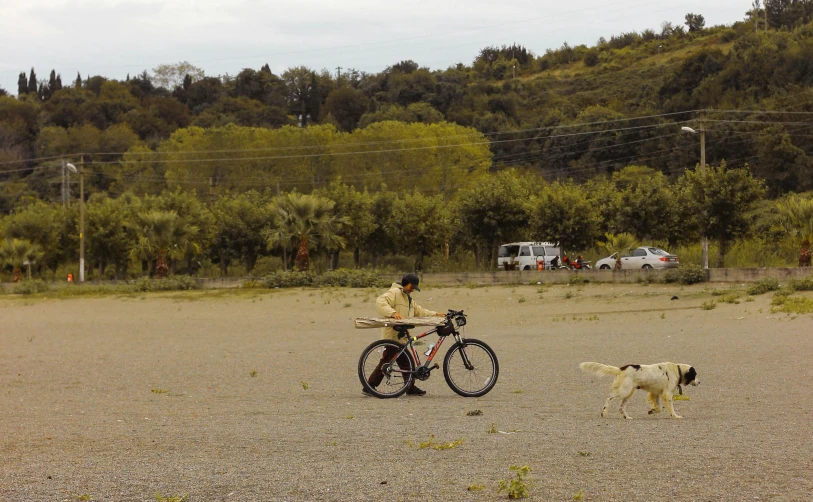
[{"x": 436, "y": 366}]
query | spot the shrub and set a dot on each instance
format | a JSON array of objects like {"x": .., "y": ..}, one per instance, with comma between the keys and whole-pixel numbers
[
  {"x": 362, "y": 278},
  {"x": 691, "y": 274},
  {"x": 805, "y": 284},
  {"x": 31, "y": 287},
  {"x": 709, "y": 305},
  {"x": 579, "y": 279},
  {"x": 287, "y": 279},
  {"x": 763, "y": 286},
  {"x": 174, "y": 283},
  {"x": 517, "y": 487}
]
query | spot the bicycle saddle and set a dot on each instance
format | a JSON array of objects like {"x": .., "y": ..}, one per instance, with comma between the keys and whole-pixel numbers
[{"x": 403, "y": 327}]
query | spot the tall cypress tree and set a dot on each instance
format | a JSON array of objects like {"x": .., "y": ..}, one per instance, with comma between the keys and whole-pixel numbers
[
  {"x": 58, "y": 84},
  {"x": 314, "y": 98},
  {"x": 22, "y": 84},
  {"x": 32, "y": 82},
  {"x": 78, "y": 83}
]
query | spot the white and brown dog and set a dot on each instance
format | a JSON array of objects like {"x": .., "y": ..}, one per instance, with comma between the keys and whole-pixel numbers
[{"x": 660, "y": 380}]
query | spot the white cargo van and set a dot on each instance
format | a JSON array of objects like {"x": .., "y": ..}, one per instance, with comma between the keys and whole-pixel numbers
[{"x": 526, "y": 255}]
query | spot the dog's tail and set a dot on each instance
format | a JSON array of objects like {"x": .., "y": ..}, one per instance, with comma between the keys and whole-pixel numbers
[{"x": 601, "y": 369}]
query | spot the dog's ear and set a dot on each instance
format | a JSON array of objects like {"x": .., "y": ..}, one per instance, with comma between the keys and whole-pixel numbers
[{"x": 690, "y": 375}]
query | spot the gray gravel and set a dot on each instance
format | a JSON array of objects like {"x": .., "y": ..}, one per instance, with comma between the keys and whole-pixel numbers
[{"x": 123, "y": 398}]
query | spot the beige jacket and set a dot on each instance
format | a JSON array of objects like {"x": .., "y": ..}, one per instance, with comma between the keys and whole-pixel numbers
[{"x": 396, "y": 300}]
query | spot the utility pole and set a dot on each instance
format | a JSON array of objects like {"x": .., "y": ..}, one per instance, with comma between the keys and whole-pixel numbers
[
  {"x": 63, "y": 183},
  {"x": 703, "y": 172},
  {"x": 339, "y": 72},
  {"x": 82, "y": 218},
  {"x": 766, "y": 16}
]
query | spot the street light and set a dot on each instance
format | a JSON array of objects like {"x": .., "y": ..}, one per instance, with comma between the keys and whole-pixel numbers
[
  {"x": 72, "y": 168},
  {"x": 702, "y": 132}
]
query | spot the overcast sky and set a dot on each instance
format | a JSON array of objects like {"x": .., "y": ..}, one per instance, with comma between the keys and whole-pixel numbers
[{"x": 116, "y": 37}]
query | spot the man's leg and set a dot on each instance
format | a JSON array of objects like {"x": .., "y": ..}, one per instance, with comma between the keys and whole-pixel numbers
[{"x": 377, "y": 375}]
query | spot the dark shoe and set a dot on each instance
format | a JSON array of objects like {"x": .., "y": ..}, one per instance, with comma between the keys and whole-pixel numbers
[
  {"x": 414, "y": 391},
  {"x": 365, "y": 391}
]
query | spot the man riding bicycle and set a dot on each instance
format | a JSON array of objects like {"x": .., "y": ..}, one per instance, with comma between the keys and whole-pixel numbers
[{"x": 397, "y": 303}]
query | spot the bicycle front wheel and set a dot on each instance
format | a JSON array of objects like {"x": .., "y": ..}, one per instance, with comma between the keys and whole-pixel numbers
[
  {"x": 471, "y": 368},
  {"x": 383, "y": 372}
]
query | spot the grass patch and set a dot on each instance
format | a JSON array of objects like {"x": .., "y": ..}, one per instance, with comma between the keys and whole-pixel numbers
[
  {"x": 170, "y": 498},
  {"x": 584, "y": 453},
  {"x": 493, "y": 429},
  {"x": 579, "y": 279},
  {"x": 680, "y": 397},
  {"x": 431, "y": 443},
  {"x": 31, "y": 287},
  {"x": 517, "y": 487},
  {"x": 762, "y": 286},
  {"x": 522, "y": 299},
  {"x": 474, "y": 413},
  {"x": 731, "y": 298},
  {"x": 84, "y": 496},
  {"x": 305, "y": 385},
  {"x": 253, "y": 373},
  {"x": 579, "y": 495},
  {"x": 159, "y": 390},
  {"x": 709, "y": 305},
  {"x": 475, "y": 488},
  {"x": 792, "y": 304}
]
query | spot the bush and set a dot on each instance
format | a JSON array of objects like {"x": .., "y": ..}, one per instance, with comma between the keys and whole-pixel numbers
[
  {"x": 363, "y": 278},
  {"x": 31, "y": 287},
  {"x": 762, "y": 286},
  {"x": 287, "y": 279},
  {"x": 579, "y": 279},
  {"x": 688, "y": 274},
  {"x": 174, "y": 283},
  {"x": 801, "y": 284}
]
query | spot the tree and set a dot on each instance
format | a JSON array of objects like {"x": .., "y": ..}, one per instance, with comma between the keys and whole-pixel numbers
[
  {"x": 419, "y": 225},
  {"x": 493, "y": 211},
  {"x": 346, "y": 105},
  {"x": 32, "y": 82},
  {"x": 22, "y": 84},
  {"x": 18, "y": 253},
  {"x": 170, "y": 76},
  {"x": 357, "y": 207},
  {"x": 645, "y": 204},
  {"x": 695, "y": 22},
  {"x": 109, "y": 237},
  {"x": 619, "y": 244},
  {"x": 796, "y": 220},
  {"x": 310, "y": 220},
  {"x": 240, "y": 221},
  {"x": 163, "y": 235},
  {"x": 299, "y": 81},
  {"x": 563, "y": 214},
  {"x": 720, "y": 201},
  {"x": 77, "y": 84}
]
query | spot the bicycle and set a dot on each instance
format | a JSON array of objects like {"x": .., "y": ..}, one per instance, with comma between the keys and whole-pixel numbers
[{"x": 396, "y": 365}]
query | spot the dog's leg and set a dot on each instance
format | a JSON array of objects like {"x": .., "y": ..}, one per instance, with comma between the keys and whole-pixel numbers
[
  {"x": 667, "y": 400},
  {"x": 655, "y": 401},
  {"x": 613, "y": 395},
  {"x": 626, "y": 393}
]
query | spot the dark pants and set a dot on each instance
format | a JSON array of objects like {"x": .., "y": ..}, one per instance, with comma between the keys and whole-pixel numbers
[{"x": 377, "y": 375}]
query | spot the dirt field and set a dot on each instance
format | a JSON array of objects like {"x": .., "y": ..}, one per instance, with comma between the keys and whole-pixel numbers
[{"x": 123, "y": 398}]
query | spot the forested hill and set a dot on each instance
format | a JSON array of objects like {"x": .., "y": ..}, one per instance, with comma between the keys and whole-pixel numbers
[{"x": 574, "y": 112}]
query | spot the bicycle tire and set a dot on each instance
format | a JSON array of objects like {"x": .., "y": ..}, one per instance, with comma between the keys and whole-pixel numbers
[
  {"x": 408, "y": 380},
  {"x": 489, "y": 384}
]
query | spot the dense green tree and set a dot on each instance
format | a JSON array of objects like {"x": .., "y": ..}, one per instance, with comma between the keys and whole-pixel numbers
[
  {"x": 240, "y": 221},
  {"x": 22, "y": 85},
  {"x": 163, "y": 236},
  {"x": 357, "y": 208},
  {"x": 695, "y": 22},
  {"x": 32, "y": 82},
  {"x": 311, "y": 221},
  {"x": 720, "y": 202},
  {"x": 562, "y": 213},
  {"x": 493, "y": 211},
  {"x": 419, "y": 225},
  {"x": 346, "y": 105},
  {"x": 109, "y": 237}
]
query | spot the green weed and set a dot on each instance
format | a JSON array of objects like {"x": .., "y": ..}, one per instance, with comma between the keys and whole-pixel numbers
[
  {"x": 521, "y": 299},
  {"x": 474, "y": 413},
  {"x": 584, "y": 453},
  {"x": 793, "y": 304},
  {"x": 159, "y": 390},
  {"x": 305, "y": 385},
  {"x": 431, "y": 443},
  {"x": 493, "y": 429},
  {"x": 84, "y": 496},
  {"x": 170, "y": 498},
  {"x": 517, "y": 487},
  {"x": 762, "y": 286},
  {"x": 475, "y": 488},
  {"x": 579, "y": 495},
  {"x": 253, "y": 373},
  {"x": 709, "y": 305}
]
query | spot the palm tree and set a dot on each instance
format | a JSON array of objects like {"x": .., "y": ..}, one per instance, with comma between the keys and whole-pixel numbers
[
  {"x": 162, "y": 235},
  {"x": 796, "y": 218},
  {"x": 17, "y": 253},
  {"x": 310, "y": 220},
  {"x": 618, "y": 244},
  {"x": 281, "y": 232}
]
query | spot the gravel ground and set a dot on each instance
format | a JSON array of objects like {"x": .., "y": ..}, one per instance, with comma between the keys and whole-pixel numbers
[{"x": 123, "y": 398}]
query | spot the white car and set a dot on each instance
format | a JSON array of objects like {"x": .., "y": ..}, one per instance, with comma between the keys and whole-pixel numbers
[
  {"x": 526, "y": 255},
  {"x": 643, "y": 257}
]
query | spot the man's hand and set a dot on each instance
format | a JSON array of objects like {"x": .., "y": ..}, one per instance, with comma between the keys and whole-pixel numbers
[
  {"x": 396, "y": 315},
  {"x": 440, "y": 314}
]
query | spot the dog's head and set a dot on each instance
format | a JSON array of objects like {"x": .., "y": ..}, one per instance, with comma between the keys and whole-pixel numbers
[{"x": 689, "y": 375}]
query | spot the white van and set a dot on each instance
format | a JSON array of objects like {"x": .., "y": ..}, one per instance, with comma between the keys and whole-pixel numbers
[{"x": 526, "y": 255}]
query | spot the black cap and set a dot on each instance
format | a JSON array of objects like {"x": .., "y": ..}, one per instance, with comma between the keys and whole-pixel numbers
[{"x": 411, "y": 279}]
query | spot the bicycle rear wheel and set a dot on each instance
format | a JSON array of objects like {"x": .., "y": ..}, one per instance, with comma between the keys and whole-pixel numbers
[
  {"x": 382, "y": 373},
  {"x": 471, "y": 368}
]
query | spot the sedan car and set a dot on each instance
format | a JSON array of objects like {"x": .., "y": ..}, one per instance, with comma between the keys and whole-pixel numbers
[{"x": 643, "y": 257}]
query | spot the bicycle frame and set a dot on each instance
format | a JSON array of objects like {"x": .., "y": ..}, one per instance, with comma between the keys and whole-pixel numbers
[{"x": 410, "y": 345}]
